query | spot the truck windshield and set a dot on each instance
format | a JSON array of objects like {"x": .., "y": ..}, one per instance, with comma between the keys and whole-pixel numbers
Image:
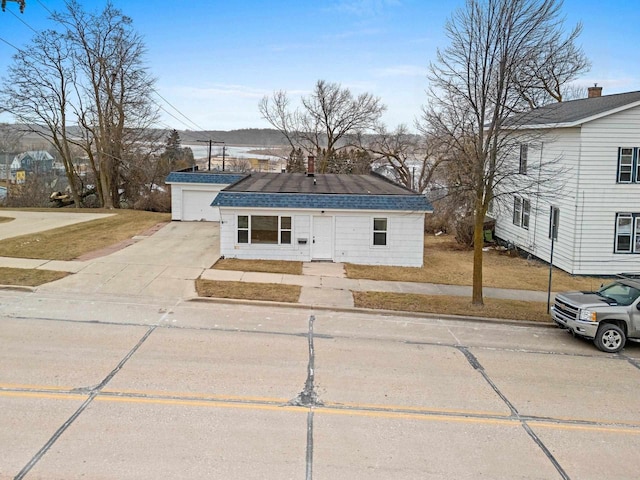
[{"x": 620, "y": 292}]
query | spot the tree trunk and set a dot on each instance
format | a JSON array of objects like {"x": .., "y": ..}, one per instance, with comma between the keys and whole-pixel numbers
[{"x": 478, "y": 243}]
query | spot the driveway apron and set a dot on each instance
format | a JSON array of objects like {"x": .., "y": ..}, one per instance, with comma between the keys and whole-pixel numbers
[{"x": 164, "y": 264}]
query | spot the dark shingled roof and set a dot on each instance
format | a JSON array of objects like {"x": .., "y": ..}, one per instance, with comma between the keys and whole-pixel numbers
[
  {"x": 330, "y": 191},
  {"x": 574, "y": 111},
  {"x": 329, "y": 183},
  {"x": 204, "y": 177}
]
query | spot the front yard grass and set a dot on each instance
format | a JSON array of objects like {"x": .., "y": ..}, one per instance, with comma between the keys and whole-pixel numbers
[
  {"x": 67, "y": 243},
  {"x": 28, "y": 277},
  {"x": 446, "y": 262},
  {"x": 248, "y": 290},
  {"x": 449, "y": 305}
]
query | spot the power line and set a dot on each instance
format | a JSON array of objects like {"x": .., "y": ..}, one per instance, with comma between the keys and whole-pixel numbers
[
  {"x": 45, "y": 7},
  {"x": 10, "y": 44},
  {"x": 23, "y": 22},
  {"x": 182, "y": 114}
]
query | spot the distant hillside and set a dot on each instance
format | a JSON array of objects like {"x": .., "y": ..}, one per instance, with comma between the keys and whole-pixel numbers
[{"x": 266, "y": 137}]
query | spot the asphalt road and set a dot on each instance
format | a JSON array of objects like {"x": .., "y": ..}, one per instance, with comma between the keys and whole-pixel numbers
[{"x": 144, "y": 388}]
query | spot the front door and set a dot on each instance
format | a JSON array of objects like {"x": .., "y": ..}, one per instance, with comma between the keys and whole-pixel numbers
[{"x": 322, "y": 239}]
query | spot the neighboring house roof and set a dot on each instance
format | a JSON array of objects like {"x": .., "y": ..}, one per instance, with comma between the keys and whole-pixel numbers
[
  {"x": 575, "y": 112},
  {"x": 325, "y": 191},
  {"x": 202, "y": 177},
  {"x": 37, "y": 155}
]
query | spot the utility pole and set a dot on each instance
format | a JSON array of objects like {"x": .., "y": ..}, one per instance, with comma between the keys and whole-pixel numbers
[
  {"x": 210, "y": 142},
  {"x": 224, "y": 149}
]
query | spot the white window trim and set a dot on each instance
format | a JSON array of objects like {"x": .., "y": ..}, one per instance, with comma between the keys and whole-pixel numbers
[
  {"x": 250, "y": 222},
  {"x": 632, "y": 169},
  {"x": 385, "y": 231},
  {"x": 634, "y": 233},
  {"x": 521, "y": 212},
  {"x": 517, "y": 211},
  {"x": 524, "y": 156}
]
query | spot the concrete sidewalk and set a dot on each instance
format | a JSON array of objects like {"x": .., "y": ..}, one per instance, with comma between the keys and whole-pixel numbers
[
  {"x": 325, "y": 284},
  {"x": 167, "y": 262}
]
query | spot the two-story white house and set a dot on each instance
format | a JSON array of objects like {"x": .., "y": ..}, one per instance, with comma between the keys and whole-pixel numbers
[{"x": 595, "y": 216}]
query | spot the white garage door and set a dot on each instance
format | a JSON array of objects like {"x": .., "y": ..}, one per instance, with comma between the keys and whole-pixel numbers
[{"x": 196, "y": 206}]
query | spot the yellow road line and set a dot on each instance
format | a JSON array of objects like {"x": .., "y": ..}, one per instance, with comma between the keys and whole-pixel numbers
[
  {"x": 451, "y": 416},
  {"x": 13, "y": 386}
]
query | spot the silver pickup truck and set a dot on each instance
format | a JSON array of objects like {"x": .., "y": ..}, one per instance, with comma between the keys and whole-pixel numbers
[{"x": 608, "y": 316}]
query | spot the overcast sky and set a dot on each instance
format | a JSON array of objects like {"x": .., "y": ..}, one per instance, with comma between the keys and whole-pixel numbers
[{"x": 215, "y": 60}]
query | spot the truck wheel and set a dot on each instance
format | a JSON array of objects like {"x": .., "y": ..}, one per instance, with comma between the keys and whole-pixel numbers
[{"x": 610, "y": 338}]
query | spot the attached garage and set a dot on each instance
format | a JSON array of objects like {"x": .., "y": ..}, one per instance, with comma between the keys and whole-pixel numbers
[{"x": 193, "y": 192}]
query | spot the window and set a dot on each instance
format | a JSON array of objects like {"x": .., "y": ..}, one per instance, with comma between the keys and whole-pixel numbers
[
  {"x": 379, "y": 231},
  {"x": 268, "y": 229},
  {"x": 521, "y": 212},
  {"x": 517, "y": 210},
  {"x": 285, "y": 230},
  {"x": 554, "y": 222},
  {"x": 243, "y": 229},
  {"x": 627, "y": 239},
  {"x": 524, "y": 153},
  {"x": 628, "y": 165},
  {"x": 526, "y": 206}
]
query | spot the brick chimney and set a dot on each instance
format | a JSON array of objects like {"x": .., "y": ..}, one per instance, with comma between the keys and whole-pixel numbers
[
  {"x": 595, "y": 91},
  {"x": 311, "y": 166}
]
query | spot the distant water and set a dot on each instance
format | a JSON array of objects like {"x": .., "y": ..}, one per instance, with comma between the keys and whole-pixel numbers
[
  {"x": 202, "y": 151},
  {"x": 3, "y": 192}
]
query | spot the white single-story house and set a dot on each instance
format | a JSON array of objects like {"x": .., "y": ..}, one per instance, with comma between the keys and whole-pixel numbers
[
  {"x": 594, "y": 219},
  {"x": 363, "y": 219},
  {"x": 193, "y": 192}
]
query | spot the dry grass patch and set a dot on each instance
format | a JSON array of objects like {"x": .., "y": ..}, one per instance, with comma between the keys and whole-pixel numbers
[
  {"x": 449, "y": 305},
  {"x": 446, "y": 262},
  {"x": 28, "y": 277},
  {"x": 248, "y": 291},
  {"x": 264, "y": 266},
  {"x": 67, "y": 243}
]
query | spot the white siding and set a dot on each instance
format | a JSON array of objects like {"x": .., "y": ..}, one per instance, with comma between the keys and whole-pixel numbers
[
  {"x": 560, "y": 149},
  {"x": 601, "y": 197},
  {"x": 589, "y": 201},
  {"x": 352, "y": 243},
  {"x": 192, "y": 202}
]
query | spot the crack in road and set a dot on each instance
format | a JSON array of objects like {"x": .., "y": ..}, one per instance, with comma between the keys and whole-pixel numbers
[
  {"x": 93, "y": 393},
  {"x": 475, "y": 363},
  {"x": 308, "y": 397}
]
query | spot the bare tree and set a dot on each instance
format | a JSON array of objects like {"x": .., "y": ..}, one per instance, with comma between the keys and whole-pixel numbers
[
  {"x": 88, "y": 73},
  {"x": 476, "y": 87},
  {"x": 39, "y": 91},
  {"x": 239, "y": 164},
  {"x": 411, "y": 156},
  {"x": 326, "y": 117},
  {"x": 545, "y": 78},
  {"x": 115, "y": 108}
]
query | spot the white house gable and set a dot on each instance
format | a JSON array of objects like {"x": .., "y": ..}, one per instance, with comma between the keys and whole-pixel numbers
[{"x": 598, "y": 208}]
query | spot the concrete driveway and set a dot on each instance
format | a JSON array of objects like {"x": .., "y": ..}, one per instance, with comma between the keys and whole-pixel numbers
[{"x": 164, "y": 264}]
